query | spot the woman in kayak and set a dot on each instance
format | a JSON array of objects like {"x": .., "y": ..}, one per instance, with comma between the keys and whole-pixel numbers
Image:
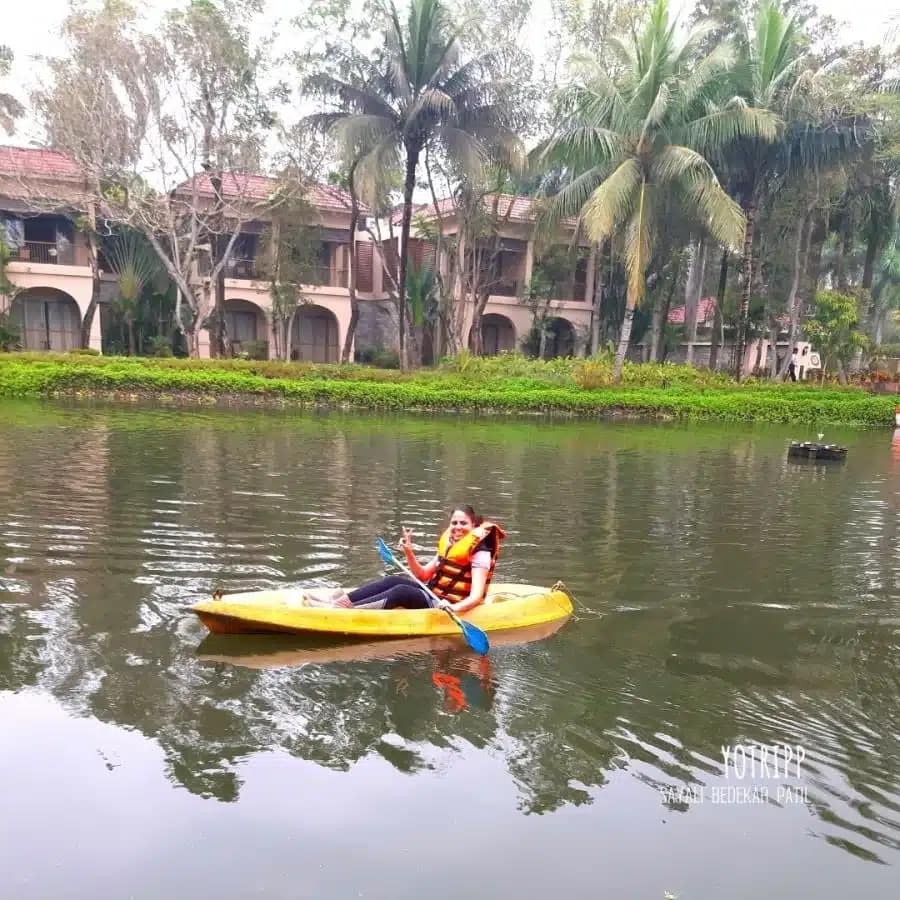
[{"x": 458, "y": 574}]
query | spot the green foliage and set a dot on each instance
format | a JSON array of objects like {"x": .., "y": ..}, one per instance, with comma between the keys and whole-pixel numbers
[
  {"x": 160, "y": 345},
  {"x": 83, "y": 351},
  {"x": 381, "y": 359},
  {"x": 834, "y": 330},
  {"x": 49, "y": 374},
  {"x": 9, "y": 333},
  {"x": 258, "y": 350},
  {"x": 420, "y": 292}
]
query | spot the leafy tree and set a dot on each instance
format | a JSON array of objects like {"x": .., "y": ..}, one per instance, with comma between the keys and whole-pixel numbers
[
  {"x": 426, "y": 94},
  {"x": 834, "y": 330},
  {"x": 633, "y": 143},
  {"x": 10, "y": 108}
]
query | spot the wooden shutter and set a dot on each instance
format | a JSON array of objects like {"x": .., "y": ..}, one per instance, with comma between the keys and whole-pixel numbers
[{"x": 364, "y": 281}]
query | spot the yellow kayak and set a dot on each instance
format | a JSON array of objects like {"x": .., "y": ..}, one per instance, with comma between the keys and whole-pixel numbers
[{"x": 289, "y": 611}]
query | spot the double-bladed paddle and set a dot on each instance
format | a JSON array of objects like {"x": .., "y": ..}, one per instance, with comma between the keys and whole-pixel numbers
[{"x": 474, "y": 636}]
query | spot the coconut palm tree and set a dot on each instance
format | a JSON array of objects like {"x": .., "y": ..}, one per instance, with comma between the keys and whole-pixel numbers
[
  {"x": 771, "y": 57},
  {"x": 633, "y": 145},
  {"x": 423, "y": 94}
]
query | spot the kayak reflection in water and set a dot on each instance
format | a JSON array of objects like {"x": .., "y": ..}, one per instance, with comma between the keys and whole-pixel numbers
[{"x": 459, "y": 573}]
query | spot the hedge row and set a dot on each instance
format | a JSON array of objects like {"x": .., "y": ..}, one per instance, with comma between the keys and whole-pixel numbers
[{"x": 42, "y": 376}]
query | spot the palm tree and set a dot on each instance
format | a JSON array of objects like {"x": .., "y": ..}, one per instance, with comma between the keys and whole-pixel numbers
[
  {"x": 633, "y": 145},
  {"x": 422, "y": 95},
  {"x": 771, "y": 57}
]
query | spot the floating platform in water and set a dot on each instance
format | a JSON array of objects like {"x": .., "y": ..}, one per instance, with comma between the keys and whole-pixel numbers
[{"x": 813, "y": 450}]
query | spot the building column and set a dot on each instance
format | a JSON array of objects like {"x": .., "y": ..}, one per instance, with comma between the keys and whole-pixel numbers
[
  {"x": 529, "y": 263},
  {"x": 589, "y": 275}
]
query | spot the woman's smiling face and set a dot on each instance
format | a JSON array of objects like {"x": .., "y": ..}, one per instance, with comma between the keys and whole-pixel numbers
[{"x": 460, "y": 525}]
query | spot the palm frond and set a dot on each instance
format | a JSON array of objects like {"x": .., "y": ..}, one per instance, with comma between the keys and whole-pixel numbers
[
  {"x": 348, "y": 96},
  {"x": 360, "y": 132},
  {"x": 716, "y": 210},
  {"x": 675, "y": 162},
  {"x": 579, "y": 147},
  {"x": 724, "y": 126},
  {"x": 639, "y": 241},
  {"x": 465, "y": 151},
  {"x": 613, "y": 200},
  {"x": 571, "y": 198}
]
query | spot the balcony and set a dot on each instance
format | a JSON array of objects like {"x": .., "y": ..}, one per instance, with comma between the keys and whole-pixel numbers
[
  {"x": 44, "y": 252},
  {"x": 241, "y": 267},
  {"x": 505, "y": 287},
  {"x": 325, "y": 276}
]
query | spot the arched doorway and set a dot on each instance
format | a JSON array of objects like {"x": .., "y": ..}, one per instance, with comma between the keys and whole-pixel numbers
[
  {"x": 498, "y": 334},
  {"x": 315, "y": 335},
  {"x": 48, "y": 319},
  {"x": 246, "y": 326},
  {"x": 560, "y": 338}
]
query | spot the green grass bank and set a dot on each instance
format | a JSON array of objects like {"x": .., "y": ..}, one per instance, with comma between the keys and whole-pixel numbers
[{"x": 504, "y": 384}]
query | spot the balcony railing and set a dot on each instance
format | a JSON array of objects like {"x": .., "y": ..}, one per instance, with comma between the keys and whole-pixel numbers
[
  {"x": 241, "y": 267},
  {"x": 569, "y": 292},
  {"x": 45, "y": 252},
  {"x": 325, "y": 276},
  {"x": 505, "y": 287}
]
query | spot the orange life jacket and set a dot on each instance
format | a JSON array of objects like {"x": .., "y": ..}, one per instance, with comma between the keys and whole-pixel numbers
[{"x": 453, "y": 578}]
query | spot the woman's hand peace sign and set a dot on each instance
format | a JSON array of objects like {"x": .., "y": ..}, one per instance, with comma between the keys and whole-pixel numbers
[{"x": 406, "y": 540}]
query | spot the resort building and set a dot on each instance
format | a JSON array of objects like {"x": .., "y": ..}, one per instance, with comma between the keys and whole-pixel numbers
[{"x": 42, "y": 197}]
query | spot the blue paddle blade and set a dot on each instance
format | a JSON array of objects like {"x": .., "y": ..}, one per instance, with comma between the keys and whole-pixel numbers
[
  {"x": 385, "y": 553},
  {"x": 475, "y": 637}
]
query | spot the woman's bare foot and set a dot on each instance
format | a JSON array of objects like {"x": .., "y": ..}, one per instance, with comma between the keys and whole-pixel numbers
[{"x": 341, "y": 600}]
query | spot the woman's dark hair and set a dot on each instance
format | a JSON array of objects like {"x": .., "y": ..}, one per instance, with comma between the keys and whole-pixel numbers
[{"x": 476, "y": 519}]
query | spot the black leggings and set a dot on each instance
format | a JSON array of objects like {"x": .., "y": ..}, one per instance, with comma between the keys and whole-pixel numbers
[{"x": 395, "y": 590}]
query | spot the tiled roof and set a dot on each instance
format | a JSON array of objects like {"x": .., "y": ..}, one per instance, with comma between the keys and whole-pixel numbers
[
  {"x": 261, "y": 187},
  {"x": 509, "y": 206},
  {"x": 37, "y": 162},
  {"x": 706, "y": 312}
]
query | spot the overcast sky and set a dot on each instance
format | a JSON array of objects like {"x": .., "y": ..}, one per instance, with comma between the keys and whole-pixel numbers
[{"x": 32, "y": 31}]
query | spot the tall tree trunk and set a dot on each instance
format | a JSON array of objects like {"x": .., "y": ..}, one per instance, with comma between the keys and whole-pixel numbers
[
  {"x": 87, "y": 323},
  {"x": 132, "y": 349},
  {"x": 661, "y": 315},
  {"x": 354, "y": 260},
  {"x": 773, "y": 341},
  {"x": 718, "y": 320},
  {"x": 843, "y": 267},
  {"x": 289, "y": 334},
  {"x": 624, "y": 338},
  {"x": 801, "y": 254},
  {"x": 865, "y": 311},
  {"x": 409, "y": 184},
  {"x": 693, "y": 294},
  {"x": 872, "y": 247},
  {"x": 656, "y": 328},
  {"x": 879, "y": 327},
  {"x": 747, "y": 274},
  {"x": 220, "y": 325},
  {"x": 598, "y": 301}
]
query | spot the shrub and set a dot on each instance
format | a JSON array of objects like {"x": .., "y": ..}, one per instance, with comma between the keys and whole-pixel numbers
[
  {"x": 9, "y": 333},
  {"x": 378, "y": 357},
  {"x": 84, "y": 351},
  {"x": 258, "y": 350},
  {"x": 590, "y": 375},
  {"x": 160, "y": 346}
]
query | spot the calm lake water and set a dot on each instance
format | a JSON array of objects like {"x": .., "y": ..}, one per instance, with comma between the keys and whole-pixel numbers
[{"x": 724, "y": 597}]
